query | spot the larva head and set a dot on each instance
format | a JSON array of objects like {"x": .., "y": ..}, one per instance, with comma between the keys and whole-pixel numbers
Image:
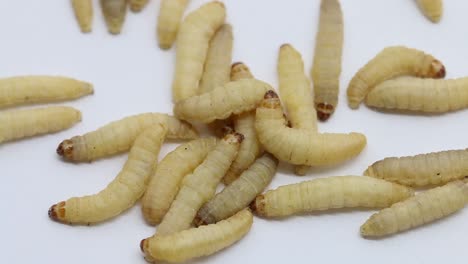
[
  {"x": 233, "y": 138},
  {"x": 437, "y": 69},
  {"x": 258, "y": 205},
  {"x": 227, "y": 130},
  {"x": 203, "y": 218},
  {"x": 65, "y": 149},
  {"x": 240, "y": 71},
  {"x": 324, "y": 111},
  {"x": 270, "y": 100},
  {"x": 57, "y": 212}
]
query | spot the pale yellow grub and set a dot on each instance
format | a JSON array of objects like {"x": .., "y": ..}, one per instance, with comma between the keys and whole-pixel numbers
[
  {"x": 329, "y": 193},
  {"x": 114, "y": 12},
  {"x": 167, "y": 178},
  {"x": 432, "y": 9},
  {"x": 138, "y": 5},
  {"x": 118, "y": 136},
  {"x": 170, "y": 15},
  {"x": 84, "y": 14},
  {"x": 421, "y": 209}
]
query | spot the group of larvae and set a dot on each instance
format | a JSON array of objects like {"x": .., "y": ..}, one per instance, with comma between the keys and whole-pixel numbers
[{"x": 178, "y": 193}]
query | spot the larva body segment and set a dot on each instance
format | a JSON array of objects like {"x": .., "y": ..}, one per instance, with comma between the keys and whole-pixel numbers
[
  {"x": 123, "y": 191},
  {"x": 329, "y": 193},
  {"x": 166, "y": 180},
  {"x": 390, "y": 63},
  {"x": 118, "y": 136},
  {"x": 84, "y": 14},
  {"x": 170, "y": 15},
  {"x": 233, "y": 98},
  {"x": 422, "y": 170},
  {"x": 200, "y": 186},
  {"x": 137, "y": 5},
  {"x": 326, "y": 67},
  {"x": 193, "y": 41},
  {"x": 239, "y": 193},
  {"x": 420, "y": 95},
  {"x": 301, "y": 146},
  {"x": 41, "y": 89},
  {"x": 421, "y": 209},
  {"x": 198, "y": 242},
  {"x": 218, "y": 60},
  {"x": 432, "y": 9},
  {"x": 114, "y": 12},
  {"x": 17, "y": 124}
]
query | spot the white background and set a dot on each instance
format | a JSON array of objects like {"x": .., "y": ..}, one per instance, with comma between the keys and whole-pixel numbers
[{"x": 132, "y": 75}]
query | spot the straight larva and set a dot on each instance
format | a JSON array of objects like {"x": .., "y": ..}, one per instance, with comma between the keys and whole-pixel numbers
[
  {"x": 123, "y": 191},
  {"x": 138, "y": 5},
  {"x": 167, "y": 178},
  {"x": 84, "y": 14},
  {"x": 302, "y": 146},
  {"x": 17, "y": 124},
  {"x": 233, "y": 98},
  {"x": 198, "y": 242},
  {"x": 41, "y": 89},
  {"x": 170, "y": 15},
  {"x": 420, "y": 95},
  {"x": 389, "y": 63},
  {"x": 421, "y": 209},
  {"x": 118, "y": 136},
  {"x": 329, "y": 193},
  {"x": 218, "y": 60},
  {"x": 432, "y": 9},
  {"x": 326, "y": 68},
  {"x": 114, "y": 12},
  {"x": 422, "y": 170},
  {"x": 200, "y": 186},
  {"x": 240, "y": 193},
  {"x": 193, "y": 41}
]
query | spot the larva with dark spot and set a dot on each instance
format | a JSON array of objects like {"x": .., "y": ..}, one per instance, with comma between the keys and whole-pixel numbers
[
  {"x": 416, "y": 211},
  {"x": 432, "y": 9},
  {"x": 390, "y": 63},
  {"x": 114, "y": 12},
  {"x": 84, "y": 14},
  {"x": 170, "y": 16},
  {"x": 329, "y": 193}
]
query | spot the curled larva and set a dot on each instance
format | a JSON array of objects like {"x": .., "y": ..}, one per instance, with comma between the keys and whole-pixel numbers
[
  {"x": 326, "y": 68},
  {"x": 138, "y": 5},
  {"x": 233, "y": 98},
  {"x": 118, "y": 136},
  {"x": 329, "y": 193},
  {"x": 302, "y": 146},
  {"x": 420, "y": 95},
  {"x": 170, "y": 15},
  {"x": 41, "y": 89},
  {"x": 432, "y": 9},
  {"x": 389, "y": 63},
  {"x": 200, "y": 186},
  {"x": 193, "y": 40},
  {"x": 17, "y": 124},
  {"x": 239, "y": 193},
  {"x": 421, "y": 209},
  {"x": 422, "y": 170},
  {"x": 114, "y": 12},
  {"x": 198, "y": 242},
  {"x": 123, "y": 191},
  {"x": 84, "y": 14},
  {"x": 296, "y": 91},
  {"x": 166, "y": 180}
]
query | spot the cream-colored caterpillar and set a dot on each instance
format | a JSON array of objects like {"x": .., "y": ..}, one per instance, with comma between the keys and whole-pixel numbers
[
  {"x": 200, "y": 186},
  {"x": 421, "y": 170},
  {"x": 420, "y": 95},
  {"x": 302, "y": 146},
  {"x": 170, "y": 15},
  {"x": 297, "y": 93},
  {"x": 239, "y": 193},
  {"x": 118, "y": 136},
  {"x": 17, "y": 124},
  {"x": 123, "y": 191},
  {"x": 421, "y": 209},
  {"x": 197, "y": 242},
  {"x": 244, "y": 123},
  {"x": 41, "y": 89},
  {"x": 167, "y": 178},
  {"x": 326, "y": 68},
  {"x": 138, "y": 5},
  {"x": 233, "y": 98},
  {"x": 218, "y": 60},
  {"x": 84, "y": 14},
  {"x": 193, "y": 40},
  {"x": 389, "y": 63},
  {"x": 329, "y": 193},
  {"x": 432, "y": 9},
  {"x": 114, "y": 12}
]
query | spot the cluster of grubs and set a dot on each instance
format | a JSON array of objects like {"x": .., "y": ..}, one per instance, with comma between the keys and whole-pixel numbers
[{"x": 178, "y": 193}]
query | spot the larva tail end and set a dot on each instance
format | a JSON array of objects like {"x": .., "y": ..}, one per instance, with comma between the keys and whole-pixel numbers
[
  {"x": 221, "y": 4},
  {"x": 136, "y": 8},
  {"x": 143, "y": 245},
  {"x": 369, "y": 172},
  {"x": 365, "y": 230},
  {"x": 57, "y": 212},
  {"x": 165, "y": 46},
  {"x": 301, "y": 170},
  {"x": 234, "y": 138},
  {"x": 353, "y": 105},
  {"x": 258, "y": 205},
  {"x": 88, "y": 88},
  {"x": 65, "y": 149},
  {"x": 437, "y": 69},
  {"x": 285, "y": 46}
]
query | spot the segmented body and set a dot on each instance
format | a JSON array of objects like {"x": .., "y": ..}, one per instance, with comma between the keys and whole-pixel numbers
[
  {"x": 170, "y": 15},
  {"x": 84, "y": 14}
]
